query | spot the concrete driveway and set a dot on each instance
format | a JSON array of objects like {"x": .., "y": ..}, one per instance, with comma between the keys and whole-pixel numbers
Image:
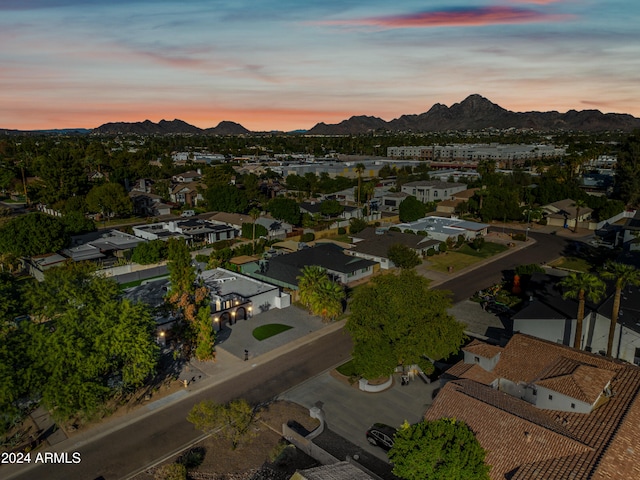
[{"x": 349, "y": 412}]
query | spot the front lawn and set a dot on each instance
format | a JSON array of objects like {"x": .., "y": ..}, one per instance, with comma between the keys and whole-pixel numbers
[
  {"x": 348, "y": 370},
  {"x": 458, "y": 261},
  {"x": 269, "y": 330},
  {"x": 488, "y": 250},
  {"x": 572, "y": 263}
]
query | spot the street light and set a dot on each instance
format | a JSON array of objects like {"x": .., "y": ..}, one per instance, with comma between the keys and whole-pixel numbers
[
  {"x": 218, "y": 326},
  {"x": 250, "y": 311}
]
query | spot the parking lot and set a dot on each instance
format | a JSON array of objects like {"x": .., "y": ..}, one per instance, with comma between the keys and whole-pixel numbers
[{"x": 349, "y": 412}]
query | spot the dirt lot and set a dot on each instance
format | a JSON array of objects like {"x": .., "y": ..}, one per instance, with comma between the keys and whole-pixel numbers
[{"x": 265, "y": 457}]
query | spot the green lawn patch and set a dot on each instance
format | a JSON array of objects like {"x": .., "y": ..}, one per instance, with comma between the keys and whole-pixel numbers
[
  {"x": 573, "y": 264},
  {"x": 458, "y": 261},
  {"x": 347, "y": 369},
  {"x": 488, "y": 250},
  {"x": 269, "y": 330}
]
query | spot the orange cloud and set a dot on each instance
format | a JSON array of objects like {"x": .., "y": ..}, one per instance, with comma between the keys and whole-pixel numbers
[{"x": 455, "y": 17}]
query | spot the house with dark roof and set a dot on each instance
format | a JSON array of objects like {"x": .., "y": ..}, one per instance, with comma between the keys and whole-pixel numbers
[
  {"x": 565, "y": 213},
  {"x": 543, "y": 410},
  {"x": 193, "y": 230},
  {"x": 548, "y": 316},
  {"x": 631, "y": 233},
  {"x": 374, "y": 244},
  {"x": 284, "y": 269}
]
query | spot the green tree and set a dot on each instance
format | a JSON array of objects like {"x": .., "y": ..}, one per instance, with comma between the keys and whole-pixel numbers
[
  {"x": 312, "y": 276},
  {"x": 397, "y": 320},
  {"x": 181, "y": 271},
  {"x": 33, "y": 234},
  {"x": 76, "y": 223},
  {"x": 206, "y": 335},
  {"x": 582, "y": 286},
  {"x": 412, "y": 209},
  {"x": 153, "y": 251},
  {"x": 285, "y": 209},
  {"x": 622, "y": 275},
  {"x": 331, "y": 208},
  {"x": 86, "y": 340},
  {"x": 438, "y": 450},
  {"x": 253, "y": 230},
  {"x": 109, "y": 199},
  {"x": 326, "y": 301},
  {"x": 62, "y": 174},
  {"x": 356, "y": 225},
  {"x": 403, "y": 256},
  {"x": 233, "y": 421},
  {"x": 579, "y": 205},
  {"x": 627, "y": 180},
  {"x": 226, "y": 198}
]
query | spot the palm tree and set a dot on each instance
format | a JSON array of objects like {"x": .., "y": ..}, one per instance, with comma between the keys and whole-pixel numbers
[
  {"x": 327, "y": 299},
  {"x": 582, "y": 286},
  {"x": 623, "y": 275},
  {"x": 254, "y": 213},
  {"x": 368, "y": 189},
  {"x": 312, "y": 276},
  {"x": 578, "y": 204},
  {"x": 359, "y": 168}
]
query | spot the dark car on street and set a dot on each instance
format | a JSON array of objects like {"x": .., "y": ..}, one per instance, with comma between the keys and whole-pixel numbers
[{"x": 381, "y": 435}]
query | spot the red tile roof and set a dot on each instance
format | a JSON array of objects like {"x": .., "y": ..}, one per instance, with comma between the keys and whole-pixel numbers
[{"x": 524, "y": 442}]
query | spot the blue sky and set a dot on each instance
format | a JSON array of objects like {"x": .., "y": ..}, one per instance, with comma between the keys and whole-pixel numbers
[{"x": 287, "y": 65}]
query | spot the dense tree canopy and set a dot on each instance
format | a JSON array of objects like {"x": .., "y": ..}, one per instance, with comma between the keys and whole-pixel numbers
[
  {"x": 438, "y": 450},
  {"x": 82, "y": 343},
  {"x": 628, "y": 170},
  {"x": 412, "y": 209},
  {"x": 285, "y": 209},
  {"x": 397, "y": 320},
  {"x": 403, "y": 256},
  {"x": 110, "y": 199},
  {"x": 153, "y": 251},
  {"x": 226, "y": 198},
  {"x": 33, "y": 234}
]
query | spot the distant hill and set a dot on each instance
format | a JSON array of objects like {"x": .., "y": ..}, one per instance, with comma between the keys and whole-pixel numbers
[
  {"x": 474, "y": 113},
  {"x": 477, "y": 113}
]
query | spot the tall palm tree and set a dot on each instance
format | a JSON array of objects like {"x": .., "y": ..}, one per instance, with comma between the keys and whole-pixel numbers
[
  {"x": 578, "y": 204},
  {"x": 623, "y": 275},
  {"x": 327, "y": 299},
  {"x": 582, "y": 286},
  {"x": 254, "y": 213},
  {"x": 359, "y": 168},
  {"x": 368, "y": 189},
  {"x": 312, "y": 276}
]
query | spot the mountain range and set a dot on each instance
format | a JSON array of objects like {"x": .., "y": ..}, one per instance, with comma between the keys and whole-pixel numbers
[{"x": 474, "y": 113}]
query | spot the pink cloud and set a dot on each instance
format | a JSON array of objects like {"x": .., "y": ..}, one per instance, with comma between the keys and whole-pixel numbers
[{"x": 456, "y": 17}]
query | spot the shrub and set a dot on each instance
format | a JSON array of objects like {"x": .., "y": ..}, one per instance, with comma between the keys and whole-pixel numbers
[
  {"x": 307, "y": 237},
  {"x": 521, "y": 237},
  {"x": 394, "y": 229},
  {"x": 443, "y": 247},
  {"x": 431, "y": 252},
  {"x": 342, "y": 231}
]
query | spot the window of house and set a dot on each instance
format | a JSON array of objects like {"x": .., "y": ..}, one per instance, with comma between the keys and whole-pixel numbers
[
  {"x": 573, "y": 405},
  {"x": 476, "y": 359},
  {"x": 550, "y": 397}
]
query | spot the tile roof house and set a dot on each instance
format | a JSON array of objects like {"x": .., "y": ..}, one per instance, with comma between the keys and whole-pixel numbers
[
  {"x": 546, "y": 411},
  {"x": 373, "y": 244},
  {"x": 187, "y": 193}
]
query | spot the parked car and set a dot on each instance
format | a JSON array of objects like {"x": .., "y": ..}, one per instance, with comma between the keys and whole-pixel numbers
[
  {"x": 188, "y": 213},
  {"x": 381, "y": 435}
]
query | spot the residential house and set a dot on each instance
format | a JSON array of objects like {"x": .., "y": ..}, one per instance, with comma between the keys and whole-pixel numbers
[
  {"x": 450, "y": 206},
  {"x": 565, "y": 213},
  {"x": 432, "y": 190},
  {"x": 549, "y": 316},
  {"x": 187, "y": 193},
  {"x": 234, "y": 220},
  {"x": 374, "y": 244},
  {"x": 390, "y": 201},
  {"x": 346, "y": 470},
  {"x": 631, "y": 233},
  {"x": 187, "y": 177},
  {"x": 148, "y": 204},
  {"x": 442, "y": 228},
  {"x": 275, "y": 228},
  {"x": 314, "y": 208},
  {"x": 284, "y": 269},
  {"x": 542, "y": 410},
  {"x": 193, "y": 230},
  {"x": 235, "y": 296}
]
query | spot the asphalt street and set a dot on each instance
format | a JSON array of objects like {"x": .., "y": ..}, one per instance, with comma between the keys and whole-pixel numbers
[{"x": 124, "y": 452}]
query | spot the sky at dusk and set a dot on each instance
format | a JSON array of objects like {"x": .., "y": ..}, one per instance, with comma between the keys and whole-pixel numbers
[{"x": 285, "y": 65}]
